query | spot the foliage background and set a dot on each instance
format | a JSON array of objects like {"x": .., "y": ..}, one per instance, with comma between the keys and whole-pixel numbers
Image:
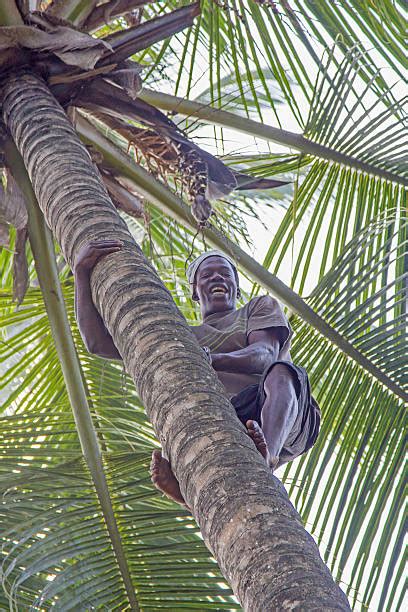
[{"x": 337, "y": 235}]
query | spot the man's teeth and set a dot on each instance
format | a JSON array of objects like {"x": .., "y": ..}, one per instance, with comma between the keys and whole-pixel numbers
[{"x": 218, "y": 290}]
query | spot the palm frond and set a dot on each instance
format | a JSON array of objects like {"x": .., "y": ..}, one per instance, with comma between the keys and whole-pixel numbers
[
  {"x": 243, "y": 38},
  {"x": 78, "y": 571},
  {"x": 256, "y": 129},
  {"x": 224, "y": 38},
  {"x": 364, "y": 297},
  {"x": 368, "y": 304},
  {"x": 333, "y": 203},
  {"x": 48, "y": 491},
  {"x": 382, "y": 24},
  {"x": 336, "y": 111}
]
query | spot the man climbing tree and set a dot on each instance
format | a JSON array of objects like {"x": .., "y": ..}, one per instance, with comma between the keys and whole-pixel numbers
[{"x": 247, "y": 347}]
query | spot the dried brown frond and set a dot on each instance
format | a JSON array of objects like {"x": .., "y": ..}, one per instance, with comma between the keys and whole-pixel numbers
[
  {"x": 124, "y": 198},
  {"x": 13, "y": 211},
  {"x": 164, "y": 157}
]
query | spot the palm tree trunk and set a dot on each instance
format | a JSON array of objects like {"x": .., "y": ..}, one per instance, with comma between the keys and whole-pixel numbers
[{"x": 244, "y": 514}]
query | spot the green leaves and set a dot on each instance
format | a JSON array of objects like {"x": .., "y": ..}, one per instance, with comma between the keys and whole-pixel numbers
[
  {"x": 340, "y": 104},
  {"x": 362, "y": 296},
  {"x": 382, "y": 24},
  {"x": 54, "y": 540},
  {"x": 368, "y": 305},
  {"x": 332, "y": 69},
  {"x": 336, "y": 201}
]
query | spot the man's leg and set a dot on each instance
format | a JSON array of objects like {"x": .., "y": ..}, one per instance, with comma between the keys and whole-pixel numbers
[
  {"x": 162, "y": 475},
  {"x": 278, "y": 415}
]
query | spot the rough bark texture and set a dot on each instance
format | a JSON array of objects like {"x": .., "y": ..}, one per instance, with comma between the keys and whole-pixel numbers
[{"x": 243, "y": 512}]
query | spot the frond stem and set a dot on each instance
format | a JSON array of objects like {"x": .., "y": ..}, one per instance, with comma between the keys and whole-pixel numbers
[
  {"x": 173, "y": 206},
  {"x": 43, "y": 250},
  {"x": 214, "y": 116}
]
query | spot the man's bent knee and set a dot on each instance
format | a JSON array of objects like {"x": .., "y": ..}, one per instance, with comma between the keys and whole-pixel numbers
[{"x": 281, "y": 375}]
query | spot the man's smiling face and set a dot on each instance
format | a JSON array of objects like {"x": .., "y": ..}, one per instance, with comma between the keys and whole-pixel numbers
[{"x": 215, "y": 286}]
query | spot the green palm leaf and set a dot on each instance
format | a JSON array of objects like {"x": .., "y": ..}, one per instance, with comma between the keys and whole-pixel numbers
[
  {"x": 369, "y": 457},
  {"x": 248, "y": 58},
  {"x": 49, "y": 492},
  {"x": 333, "y": 203}
]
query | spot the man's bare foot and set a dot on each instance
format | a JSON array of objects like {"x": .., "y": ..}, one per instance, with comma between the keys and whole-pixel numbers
[
  {"x": 163, "y": 478},
  {"x": 255, "y": 432}
]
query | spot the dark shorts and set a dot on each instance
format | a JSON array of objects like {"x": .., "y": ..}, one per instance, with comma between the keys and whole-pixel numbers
[{"x": 248, "y": 405}]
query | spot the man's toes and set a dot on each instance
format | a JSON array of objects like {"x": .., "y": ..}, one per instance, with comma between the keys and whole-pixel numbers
[
  {"x": 163, "y": 477},
  {"x": 250, "y": 425},
  {"x": 257, "y": 435},
  {"x": 259, "y": 440},
  {"x": 156, "y": 463},
  {"x": 156, "y": 456},
  {"x": 253, "y": 429},
  {"x": 261, "y": 445}
]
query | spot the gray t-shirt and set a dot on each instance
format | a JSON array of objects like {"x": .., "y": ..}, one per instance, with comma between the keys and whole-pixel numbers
[{"x": 225, "y": 333}]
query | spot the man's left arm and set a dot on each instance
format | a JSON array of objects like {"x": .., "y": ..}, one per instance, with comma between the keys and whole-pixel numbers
[{"x": 262, "y": 350}]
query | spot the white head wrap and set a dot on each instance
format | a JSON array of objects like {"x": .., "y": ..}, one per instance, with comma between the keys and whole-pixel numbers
[{"x": 193, "y": 267}]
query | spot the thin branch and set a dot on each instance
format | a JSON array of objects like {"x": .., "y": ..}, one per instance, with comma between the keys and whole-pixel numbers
[
  {"x": 104, "y": 13},
  {"x": 127, "y": 42},
  {"x": 75, "y": 11},
  {"x": 173, "y": 206},
  {"x": 249, "y": 127}
]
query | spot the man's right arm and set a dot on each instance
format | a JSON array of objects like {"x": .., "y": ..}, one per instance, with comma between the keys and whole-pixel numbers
[{"x": 93, "y": 331}]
